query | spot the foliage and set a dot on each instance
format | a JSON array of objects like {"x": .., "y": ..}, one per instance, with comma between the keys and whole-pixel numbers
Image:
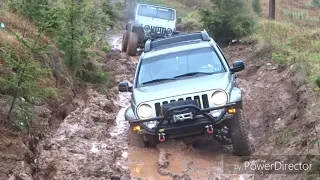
[
  {"x": 40, "y": 11},
  {"x": 301, "y": 18},
  {"x": 292, "y": 44},
  {"x": 80, "y": 25},
  {"x": 315, "y": 3},
  {"x": 109, "y": 11},
  {"x": 75, "y": 26},
  {"x": 256, "y": 5},
  {"x": 227, "y": 19},
  {"x": 22, "y": 79}
]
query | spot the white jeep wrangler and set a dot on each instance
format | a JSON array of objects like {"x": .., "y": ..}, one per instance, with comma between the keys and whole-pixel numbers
[{"x": 150, "y": 22}]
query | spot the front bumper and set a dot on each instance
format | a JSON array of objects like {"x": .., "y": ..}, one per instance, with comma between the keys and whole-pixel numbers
[{"x": 189, "y": 127}]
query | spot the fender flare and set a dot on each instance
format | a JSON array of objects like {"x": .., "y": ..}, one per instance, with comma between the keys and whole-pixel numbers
[
  {"x": 236, "y": 96},
  {"x": 129, "y": 114}
]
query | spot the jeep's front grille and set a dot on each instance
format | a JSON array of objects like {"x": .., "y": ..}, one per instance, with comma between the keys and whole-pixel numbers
[
  {"x": 203, "y": 102},
  {"x": 159, "y": 29}
]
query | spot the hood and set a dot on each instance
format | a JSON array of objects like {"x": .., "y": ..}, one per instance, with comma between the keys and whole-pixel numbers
[
  {"x": 141, "y": 20},
  {"x": 180, "y": 87}
]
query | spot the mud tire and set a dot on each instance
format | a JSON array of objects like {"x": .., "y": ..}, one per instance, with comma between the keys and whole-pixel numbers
[
  {"x": 124, "y": 41},
  {"x": 138, "y": 140},
  {"x": 239, "y": 136},
  {"x": 150, "y": 141},
  {"x": 132, "y": 44}
]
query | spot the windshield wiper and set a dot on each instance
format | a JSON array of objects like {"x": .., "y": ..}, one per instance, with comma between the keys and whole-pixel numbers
[
  {"x": 193, "y": 74},
  {"x": 158, "y": 80}
]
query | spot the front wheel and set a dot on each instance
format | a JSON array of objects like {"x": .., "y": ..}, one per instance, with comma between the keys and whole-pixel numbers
[
  {"x": 139, "y": 140},
  {"x": 132, "y": 44},
  {"x": 239, "y": 136},
  {"x": 124, "y": 42}
]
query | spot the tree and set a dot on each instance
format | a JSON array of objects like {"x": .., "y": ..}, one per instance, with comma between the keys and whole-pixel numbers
[
  {"x": 227, "y": 20},
  {"x": 80, "y": 25},
  {"x": 22, "y": 80},
  {"x": 39, "y": 11},
  {"x": 256, "y": 5}
]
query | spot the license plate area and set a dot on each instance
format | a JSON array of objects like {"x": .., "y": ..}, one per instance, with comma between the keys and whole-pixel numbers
[{"x": 183, "y": 115}]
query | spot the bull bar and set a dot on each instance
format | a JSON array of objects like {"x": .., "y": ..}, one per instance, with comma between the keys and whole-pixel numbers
[{"x": 207, "y": 119}]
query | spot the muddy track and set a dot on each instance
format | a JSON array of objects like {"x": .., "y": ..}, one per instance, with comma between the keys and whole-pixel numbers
[{"x": 92, "y": 141}]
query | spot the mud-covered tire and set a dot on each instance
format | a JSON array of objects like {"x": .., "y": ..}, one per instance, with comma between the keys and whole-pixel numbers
[
  {"x": 138, "y": 140},
  {"x": 132, "y": 44},
  {"x": 239, "y": 136},
  {"x": 150, "y": 141},
  {"x": 124, "y": 41}
]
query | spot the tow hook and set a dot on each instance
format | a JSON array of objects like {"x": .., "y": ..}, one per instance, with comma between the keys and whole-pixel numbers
[
  {"x": 209, "y": 129},
  {"x": 162, "y": 137}
]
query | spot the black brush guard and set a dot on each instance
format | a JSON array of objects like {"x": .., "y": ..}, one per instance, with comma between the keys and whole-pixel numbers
[{"x": 192, "y": 125}]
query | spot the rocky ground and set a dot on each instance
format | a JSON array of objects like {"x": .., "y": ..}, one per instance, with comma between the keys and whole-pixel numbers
[{"x": 92, "y": 141}]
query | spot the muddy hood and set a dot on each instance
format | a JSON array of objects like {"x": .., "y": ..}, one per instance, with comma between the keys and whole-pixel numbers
[{"x": 180, "y": 87}]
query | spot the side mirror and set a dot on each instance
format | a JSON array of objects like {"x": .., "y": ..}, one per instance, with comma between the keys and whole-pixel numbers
[
  {"x": 237, "y": 66},
  {"x": 125, "y": 87},
  {"x": 178, "y": 20}
]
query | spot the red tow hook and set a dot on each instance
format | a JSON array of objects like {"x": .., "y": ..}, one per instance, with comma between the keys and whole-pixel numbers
[
  {"x": 162, "y": 137},
  {"x": 209, "y": 129}
]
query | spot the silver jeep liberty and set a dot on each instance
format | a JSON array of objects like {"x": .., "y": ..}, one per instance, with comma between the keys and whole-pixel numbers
[{"x": 184, "y": 87}]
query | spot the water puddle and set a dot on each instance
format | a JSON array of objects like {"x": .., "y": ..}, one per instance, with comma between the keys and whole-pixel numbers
[
  {"x": 143, "y": 163},
  {"x": 122, "y": 125}
]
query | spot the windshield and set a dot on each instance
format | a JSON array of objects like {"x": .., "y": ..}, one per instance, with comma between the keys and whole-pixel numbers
[
  {"x": 156, "y": 12},
  {"x": 177, "y": 64}
]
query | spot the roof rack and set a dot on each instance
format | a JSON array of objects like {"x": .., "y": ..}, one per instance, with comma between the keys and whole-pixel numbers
[
  {"x": 202, "y": 35},
  {"x": 153, "y": 4}
]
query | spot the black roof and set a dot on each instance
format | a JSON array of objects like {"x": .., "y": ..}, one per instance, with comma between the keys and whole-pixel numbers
[{"x": 203, "y": 35}]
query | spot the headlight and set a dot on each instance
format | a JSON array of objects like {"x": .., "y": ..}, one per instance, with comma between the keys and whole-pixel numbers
[
  {"x": 144, "y": 111},
  {"x": 169, "y": 31},
  {"x": 147, "y": 28},
  {"x": 219, "y": 98}
]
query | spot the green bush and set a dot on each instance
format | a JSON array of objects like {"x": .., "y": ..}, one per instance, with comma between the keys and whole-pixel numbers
[
  {"x": 227, "y": 20},
  {"x": 93, "y": 74},
  {"x": 80, "y": 26},
  {"x": 256, "y": 5},
  {"x": 40, "y": 11}
]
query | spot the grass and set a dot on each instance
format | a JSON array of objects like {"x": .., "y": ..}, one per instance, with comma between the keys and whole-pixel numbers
[
  {"x": 283, "y": 138},
  {"x": 292, "y": 44}
]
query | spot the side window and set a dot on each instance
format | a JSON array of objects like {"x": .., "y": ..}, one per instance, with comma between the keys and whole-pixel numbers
[{"x": 223, "y": 55}]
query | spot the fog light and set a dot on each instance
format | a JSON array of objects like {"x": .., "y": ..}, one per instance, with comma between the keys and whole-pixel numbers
[
  {"x": 216, "y": 113},
  {"x": 151, "y": 124},
  {"x": 232, "y": 111},
  {"x": 137, "y": 128}
]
